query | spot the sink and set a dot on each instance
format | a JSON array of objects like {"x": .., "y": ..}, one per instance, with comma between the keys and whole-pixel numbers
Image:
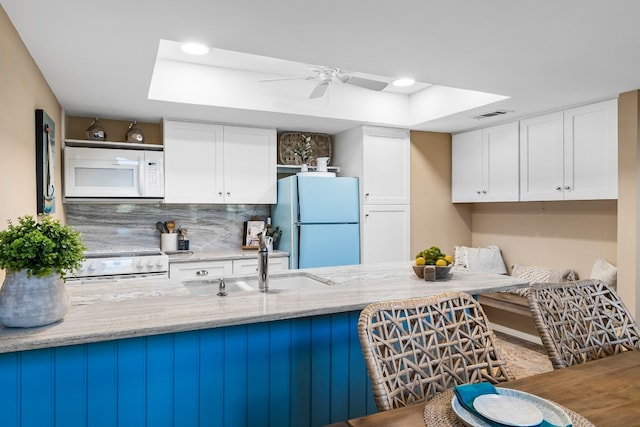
[{"x": 276, "y": 284}]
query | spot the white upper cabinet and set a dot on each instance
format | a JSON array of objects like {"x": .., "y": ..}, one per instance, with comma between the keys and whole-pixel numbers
[
  {"x": 250, "y": 164},
  {"x": 380, "y": 158},
  {"x": 541, "y": 157},
  {"x": 193, "y": 162},
  {"x": 485, "y": 165},
  {"x": 207, "y": 163},
  {"x": 591, "y": 151},
  {"x": 570, "y": 155}
]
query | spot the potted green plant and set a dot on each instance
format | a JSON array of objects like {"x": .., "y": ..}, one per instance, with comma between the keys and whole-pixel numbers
[
  {"x": 36, "y": 255},
  {"x": 274, "y": 233},
  {"x": 304, "y": 150}
]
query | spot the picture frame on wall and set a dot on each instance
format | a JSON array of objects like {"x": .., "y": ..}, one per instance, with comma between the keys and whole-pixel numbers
[
  {"x": 45, "y": 163},
  {"x": 251, "y": 231}
]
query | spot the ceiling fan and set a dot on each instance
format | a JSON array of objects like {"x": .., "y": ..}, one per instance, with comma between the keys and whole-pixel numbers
[{"x": 327, "y": 75}]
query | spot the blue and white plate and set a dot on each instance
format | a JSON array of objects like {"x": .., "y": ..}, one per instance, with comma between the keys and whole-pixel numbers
[{"x": 551, "y": 412}]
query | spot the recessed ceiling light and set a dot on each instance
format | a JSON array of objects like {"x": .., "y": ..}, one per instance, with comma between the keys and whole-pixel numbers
[
  {"x": 403, "y": 82},
  {"x": 194, "y": 48}
]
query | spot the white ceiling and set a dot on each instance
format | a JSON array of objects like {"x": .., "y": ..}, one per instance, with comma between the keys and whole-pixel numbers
[{"x": 99, "y": 58}]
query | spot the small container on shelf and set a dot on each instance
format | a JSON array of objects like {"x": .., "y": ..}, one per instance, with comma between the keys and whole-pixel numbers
[
  {"x": 134, "y": 133},
  {"x": 95, "y": 131}
]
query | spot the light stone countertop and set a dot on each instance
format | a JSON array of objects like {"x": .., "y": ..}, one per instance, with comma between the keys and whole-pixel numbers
[
  {"x": 189, "y": 256},
  {"x": 141, "y": 307}
]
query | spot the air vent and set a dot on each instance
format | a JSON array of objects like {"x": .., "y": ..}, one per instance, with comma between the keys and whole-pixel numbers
[{"x": 491, "y": 114}]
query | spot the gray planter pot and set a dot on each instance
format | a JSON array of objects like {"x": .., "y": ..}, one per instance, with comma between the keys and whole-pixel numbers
[{"x": 26, "y": 302}]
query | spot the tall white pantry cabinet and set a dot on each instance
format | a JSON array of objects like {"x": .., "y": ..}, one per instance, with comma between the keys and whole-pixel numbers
[{"x": 379, "y": 157}]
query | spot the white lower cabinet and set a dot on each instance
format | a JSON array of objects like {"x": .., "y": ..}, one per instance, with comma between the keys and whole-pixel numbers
[
  {"x": 386, "y": 233},
  {"x": 250, "y": 265},
  {"x": 185, "y": 271},
  {"x": 202, "y": 270}
]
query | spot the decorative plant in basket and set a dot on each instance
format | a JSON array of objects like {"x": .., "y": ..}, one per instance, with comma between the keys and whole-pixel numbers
[
  {"x": 36, "y": 256},
  {"x": 304, "y": 150}
]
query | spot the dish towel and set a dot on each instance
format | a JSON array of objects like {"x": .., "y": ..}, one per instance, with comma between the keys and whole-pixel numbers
[{"x": 467, "y": 393}]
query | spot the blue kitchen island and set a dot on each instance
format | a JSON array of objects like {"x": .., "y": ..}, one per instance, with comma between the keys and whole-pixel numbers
[{"x": 164, "y": 353}]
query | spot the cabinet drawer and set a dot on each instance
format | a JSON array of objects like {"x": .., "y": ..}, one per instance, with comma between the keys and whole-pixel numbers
[
  {"x": 246, "y": 266},
  {"x": 200, "y": 270}
]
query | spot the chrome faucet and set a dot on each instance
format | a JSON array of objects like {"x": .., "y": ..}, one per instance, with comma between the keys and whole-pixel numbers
[
  {"x": 222, "y": 292},
  {"x": 263, "y": 265}
]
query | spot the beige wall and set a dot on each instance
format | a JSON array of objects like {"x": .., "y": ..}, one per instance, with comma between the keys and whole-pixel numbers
[
  {"x": 435, "y": 221},
  {"x": 628, "y": 138},
  {"x": 568, "y": 234},
  {"x": 23, "y": 90},
  {"x": 116, "y": 130}
]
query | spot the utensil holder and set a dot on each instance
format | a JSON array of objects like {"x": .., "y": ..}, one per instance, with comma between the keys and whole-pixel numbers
[{"x": 169, "y": 242}]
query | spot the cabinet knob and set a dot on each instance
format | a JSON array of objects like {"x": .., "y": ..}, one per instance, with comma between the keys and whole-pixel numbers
[
  {"x": 228, "y": 193},
  {"x": 219, "y": 193},
  {"x": 568, "y": 187},
  {"x": 366, "y": 194},
  {"x": 478, "y": 192},
  {"x": 559, "y": 188},
  {"x": 202, "y": 272},
  {"x": 484, "y": 191}
]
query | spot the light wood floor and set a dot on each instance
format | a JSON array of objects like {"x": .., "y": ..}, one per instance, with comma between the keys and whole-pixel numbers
[{"x": 524, "y": 357}]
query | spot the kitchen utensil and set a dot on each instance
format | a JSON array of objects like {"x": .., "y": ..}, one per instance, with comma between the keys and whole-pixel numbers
[
  {"x": 162, "y": 227},
  {"x": 171, "y": 224}
]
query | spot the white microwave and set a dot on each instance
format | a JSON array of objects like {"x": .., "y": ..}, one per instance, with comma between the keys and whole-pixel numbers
[{"x": 111, "y": 173}]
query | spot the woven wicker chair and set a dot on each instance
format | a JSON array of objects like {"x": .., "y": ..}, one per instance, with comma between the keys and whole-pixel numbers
[
  {"x": 419, "y": 347},
  {"x": 581, "y": 321}
]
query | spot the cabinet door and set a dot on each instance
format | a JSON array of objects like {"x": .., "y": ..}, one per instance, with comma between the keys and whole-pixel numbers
[
  {"x": 386, "y": 170},
  {"x": 250, "y": 265},
  {"x": 466, "y": 167},
  {"x": 193, "y": 162},
  {"x": 249, "y": 165},
  {"x": 385, "y": 233},
  {"x": 541, "y": 158},
  {"x": 591, "y": 151},
  {"x": 209, "y": 270},
  {"x": 500, "y": 163}
]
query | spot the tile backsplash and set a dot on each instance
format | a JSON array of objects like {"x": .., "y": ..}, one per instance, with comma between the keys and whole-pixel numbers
[{"x": 211, "y": 228}]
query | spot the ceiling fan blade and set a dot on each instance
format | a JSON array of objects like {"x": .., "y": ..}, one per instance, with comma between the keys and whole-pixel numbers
[
  {"x": 287, "y": 78},
  {"x": 366, "y": 83},
  {"x": 319, "y": 90}
]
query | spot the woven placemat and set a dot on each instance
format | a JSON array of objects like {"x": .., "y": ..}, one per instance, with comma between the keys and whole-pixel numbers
[{"x": 439, "y": 413}]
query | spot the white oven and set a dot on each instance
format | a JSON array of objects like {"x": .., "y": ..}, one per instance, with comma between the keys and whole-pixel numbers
[
  {"x": 96, "y": 172},
  {"x": 115, "y": 266}
]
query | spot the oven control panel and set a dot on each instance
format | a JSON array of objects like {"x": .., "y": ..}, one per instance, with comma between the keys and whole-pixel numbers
[{"x": 123, "y": 265}]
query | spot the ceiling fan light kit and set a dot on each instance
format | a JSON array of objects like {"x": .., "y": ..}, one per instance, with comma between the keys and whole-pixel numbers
[{"x": 324, "y": 76}]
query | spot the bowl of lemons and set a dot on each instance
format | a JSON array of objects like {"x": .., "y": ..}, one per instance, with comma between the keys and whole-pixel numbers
[{"x": 433, "y": 257}]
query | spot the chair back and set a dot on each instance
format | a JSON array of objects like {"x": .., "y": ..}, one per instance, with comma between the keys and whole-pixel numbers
[
  {"x": 416, "y": 348},
  {"x": 581, "y": 321}
]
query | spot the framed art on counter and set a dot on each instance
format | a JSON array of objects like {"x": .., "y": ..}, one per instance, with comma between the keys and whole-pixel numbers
[{"x": 251, "y": 231}]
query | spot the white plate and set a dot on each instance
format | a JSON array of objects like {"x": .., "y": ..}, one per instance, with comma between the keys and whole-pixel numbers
[
  {"x": 507, "y": 410},
  {"x": 551, "y": 412}
]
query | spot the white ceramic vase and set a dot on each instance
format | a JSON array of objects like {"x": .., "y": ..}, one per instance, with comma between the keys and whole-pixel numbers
[{"x": 26, "y": 302}]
